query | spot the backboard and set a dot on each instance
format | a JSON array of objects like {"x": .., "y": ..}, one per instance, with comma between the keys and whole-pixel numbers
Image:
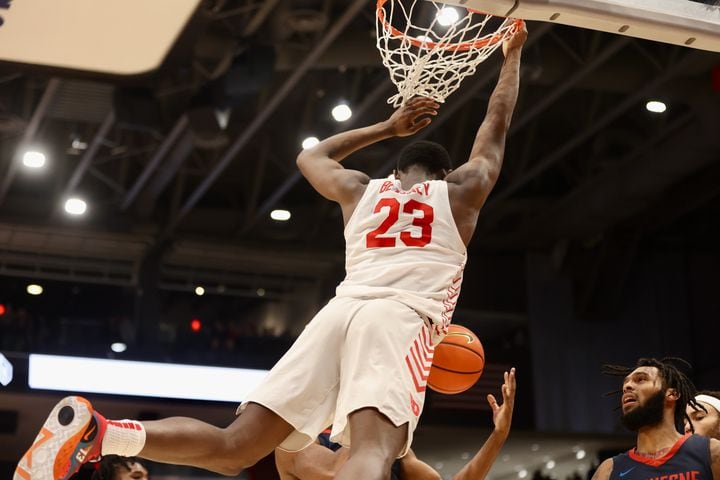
[
  {"x": 117, "y": 37},
  {"x": 692, "y": 23}
]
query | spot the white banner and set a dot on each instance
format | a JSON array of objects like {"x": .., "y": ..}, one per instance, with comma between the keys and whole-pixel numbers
[{"x": 144, "y": 379}]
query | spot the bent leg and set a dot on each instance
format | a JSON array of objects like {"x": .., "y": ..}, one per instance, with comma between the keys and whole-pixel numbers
[
  {"x": 375, "y": 444},
  {"x": 186, "y": 441}
]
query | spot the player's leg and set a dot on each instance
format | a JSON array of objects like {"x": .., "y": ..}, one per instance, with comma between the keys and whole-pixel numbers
[
  {"x": 186, "y": 441},
  {"x": 376, "y": 443},
  {"x": 74, "y": 433},
  {"x": 386, "y": 358}
]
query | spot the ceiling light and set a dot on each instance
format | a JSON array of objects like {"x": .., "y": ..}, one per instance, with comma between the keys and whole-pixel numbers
[
  {"x": 75, "y": 206},
  {"x": 341, "y": 112},
  {"x": 34, "y": 289},
  {"x": 260, "y": 292},
  {"x": 310, "y": 142},
  {"x": 522, "y": 473},
  {"x": 580, "y": 454},
  {"x": 655, "y": 106},
  {"x": 33, "y": 159},
  {"x": 550, "y": 465},
  {"x": 78, "y": 144},
  {"x": 280, "y": 215},
  {"x": 199, "y": 291},
  {"x": 118, "y": 347},
  {"x": 446, "y": 16}
]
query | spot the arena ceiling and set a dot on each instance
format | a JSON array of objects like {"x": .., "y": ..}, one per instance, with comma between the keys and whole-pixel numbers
[{"x": 588, "y": 169}]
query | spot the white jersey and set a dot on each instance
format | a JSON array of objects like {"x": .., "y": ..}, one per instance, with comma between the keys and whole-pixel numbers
[{"x": 404, "y": 245}]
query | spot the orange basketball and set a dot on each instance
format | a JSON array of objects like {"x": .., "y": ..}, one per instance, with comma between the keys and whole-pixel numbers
[{"x": 458, "y": 361}]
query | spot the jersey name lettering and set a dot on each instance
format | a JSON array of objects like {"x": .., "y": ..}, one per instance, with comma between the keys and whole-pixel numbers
[{"x": 420, "y": 188}]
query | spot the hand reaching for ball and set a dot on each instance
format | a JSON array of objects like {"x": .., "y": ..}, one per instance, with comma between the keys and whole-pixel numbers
[{"x": 502, "y": 414}]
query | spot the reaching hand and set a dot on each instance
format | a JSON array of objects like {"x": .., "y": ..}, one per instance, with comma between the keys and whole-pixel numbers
[
  {"x": 404, "y": 121},
  {"x": 516, "y": 41},
  {"x": 502, "y": 414}
]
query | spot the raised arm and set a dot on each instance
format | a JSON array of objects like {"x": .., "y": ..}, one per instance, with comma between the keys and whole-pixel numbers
[
  {"x": 321, "y": 163},
  {"x": 478, "y": 467},
  {"x": 475, "y": 179}
]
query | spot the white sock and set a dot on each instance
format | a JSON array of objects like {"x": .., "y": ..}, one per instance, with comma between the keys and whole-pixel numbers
[{"x": 123, "y": 437}]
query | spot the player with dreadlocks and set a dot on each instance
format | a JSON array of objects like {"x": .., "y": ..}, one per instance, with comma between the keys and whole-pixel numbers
[
  {"x": 655, "y": 394},
  {"x": 705, "y": 420}
]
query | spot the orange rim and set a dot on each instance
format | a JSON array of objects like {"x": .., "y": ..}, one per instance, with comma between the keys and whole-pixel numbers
[{"x": 487, "y": 40}]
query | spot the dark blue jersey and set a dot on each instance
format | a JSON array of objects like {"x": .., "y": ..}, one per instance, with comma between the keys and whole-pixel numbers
[
  {"x": 324, "y": 440},
  {"x": 688, "y": 459}
]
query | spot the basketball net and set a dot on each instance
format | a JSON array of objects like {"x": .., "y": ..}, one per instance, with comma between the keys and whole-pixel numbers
[{"x": 432, "y": 60}]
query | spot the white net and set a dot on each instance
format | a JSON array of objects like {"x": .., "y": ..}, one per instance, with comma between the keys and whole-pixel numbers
[{"x": 429, "y": 47}]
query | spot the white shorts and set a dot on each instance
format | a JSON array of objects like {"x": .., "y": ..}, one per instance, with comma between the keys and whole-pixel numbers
[{"x": 355, "y": 353}]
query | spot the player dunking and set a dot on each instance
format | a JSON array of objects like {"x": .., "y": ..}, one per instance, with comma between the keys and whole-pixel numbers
[
  {"x": 361, "y": 363},
  {"x": 655, "y": 395}
]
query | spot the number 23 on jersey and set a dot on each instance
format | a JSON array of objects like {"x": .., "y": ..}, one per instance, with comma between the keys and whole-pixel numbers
[{"x": 392, "y": 207}]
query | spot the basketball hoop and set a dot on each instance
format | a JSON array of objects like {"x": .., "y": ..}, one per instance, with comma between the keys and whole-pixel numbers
[{"x": 432, "y": 60}]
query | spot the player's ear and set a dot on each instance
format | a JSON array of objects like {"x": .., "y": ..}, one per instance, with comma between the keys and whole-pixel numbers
[{"x": 672, "y": 394}]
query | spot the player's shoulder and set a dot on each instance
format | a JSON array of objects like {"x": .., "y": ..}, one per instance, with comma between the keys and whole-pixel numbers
[
  {"x": 604, "y": 470},
  {"x": 715, "y": 449}
]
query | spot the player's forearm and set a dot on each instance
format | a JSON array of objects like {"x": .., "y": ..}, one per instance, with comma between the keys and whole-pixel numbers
[
  {"x": 340, "y": 146},
  {"x": 490, "y": 138},
  {"x": 478, "y": 467},
  {"x": 504, "y": 97}
]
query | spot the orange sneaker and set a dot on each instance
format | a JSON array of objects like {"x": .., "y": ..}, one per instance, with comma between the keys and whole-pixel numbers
[{"x": 71, "y": 436}]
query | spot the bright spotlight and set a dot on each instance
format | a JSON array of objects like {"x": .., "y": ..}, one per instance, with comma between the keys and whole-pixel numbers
[
  {"x": 199, "y": 291},
  {"x": 310, "y": 142},
  {"x": 580, "y": 454},
  {"x": 655, "y": 106},
  {"x": 341, "y": 112},
  {"x": 447, "y": 16},
  {"x": 33, "y": 159},
  {"x": 550, "y": 465},
  {"x": 118, "y": 347},
  {"x": 522, "y": 473},
  {"x": 75, "y": 206},
  {"x": 34, "y": 289},
  {"x": 280, "y": 215}
]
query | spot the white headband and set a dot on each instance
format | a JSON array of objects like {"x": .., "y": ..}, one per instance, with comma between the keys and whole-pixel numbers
[{"x": 714, "y": 402}]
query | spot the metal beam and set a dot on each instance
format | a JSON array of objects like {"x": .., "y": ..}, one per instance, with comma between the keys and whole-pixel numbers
[
  {"x": 89, "y": 155},
  {"x": 256, "y": 22},
  {"x": 29, "y": 134},
  {"x": 269, "y": 109},
  {"x": 154, "y": 162}
]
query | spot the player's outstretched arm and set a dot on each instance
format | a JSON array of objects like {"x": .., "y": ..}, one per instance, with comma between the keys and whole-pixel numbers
[
  {"x": 477, "y": 177},
  {"x": 321, "y": 163},
  {"x": 478, "y": 467},
  {"x": 314, "y": 462}
]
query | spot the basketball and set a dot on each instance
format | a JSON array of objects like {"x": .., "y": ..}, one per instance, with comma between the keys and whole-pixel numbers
[{"x": 458, "y": 361}]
